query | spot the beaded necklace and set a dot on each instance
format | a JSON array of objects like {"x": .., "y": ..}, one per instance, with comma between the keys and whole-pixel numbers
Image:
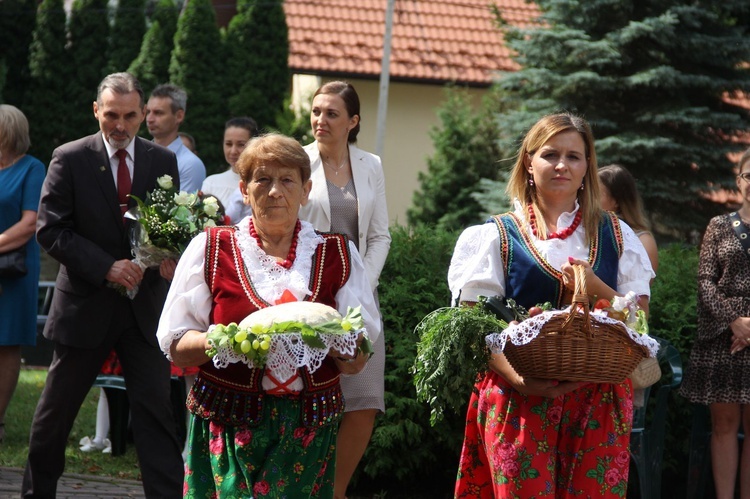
[
  {"x": 287, "y": 263},
  {"x": 560, "y": 234}
]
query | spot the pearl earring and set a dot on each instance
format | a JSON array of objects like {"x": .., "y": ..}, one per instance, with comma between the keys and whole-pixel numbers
[
  {"x": 531, "y": 181},
  {"x": 581, "y": 188}
]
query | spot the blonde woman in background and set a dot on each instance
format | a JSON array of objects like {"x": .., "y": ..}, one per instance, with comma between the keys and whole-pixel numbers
[{"x": 21, "y": 178}]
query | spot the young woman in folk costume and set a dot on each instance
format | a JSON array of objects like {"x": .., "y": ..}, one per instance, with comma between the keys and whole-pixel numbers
[{"x": 528, "y": 437}]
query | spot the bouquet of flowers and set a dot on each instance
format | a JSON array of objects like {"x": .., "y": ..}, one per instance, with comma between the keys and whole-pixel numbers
[
  {"x": 625, "y": 309},
  {"x": 167, "y": 221},
  {"x": 286, "y": 337}
]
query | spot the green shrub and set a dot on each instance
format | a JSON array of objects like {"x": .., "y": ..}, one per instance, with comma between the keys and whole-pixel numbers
[
  {"x": 406, "y": 455},
  {"x": 673, "y": 317}
]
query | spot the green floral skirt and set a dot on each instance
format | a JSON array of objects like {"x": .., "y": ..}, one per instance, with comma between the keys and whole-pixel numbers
[{"x": 277, "y": 459}]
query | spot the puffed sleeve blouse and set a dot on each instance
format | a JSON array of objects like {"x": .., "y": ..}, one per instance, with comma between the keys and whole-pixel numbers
[
  {"x": 476, "y": 267},
  {"x": 189, "y": 301}
]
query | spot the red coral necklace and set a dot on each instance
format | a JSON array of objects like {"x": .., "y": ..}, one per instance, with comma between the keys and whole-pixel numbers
[
  {"x": 560, "y": 234},
  {"x": 287, "y": 263}
]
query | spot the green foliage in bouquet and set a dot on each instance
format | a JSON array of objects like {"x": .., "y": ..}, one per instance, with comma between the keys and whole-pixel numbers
[
  {"x": 450, "y": 353},
  {"x": 254, "y": 342},
  {"x": 170, "y": 219}
]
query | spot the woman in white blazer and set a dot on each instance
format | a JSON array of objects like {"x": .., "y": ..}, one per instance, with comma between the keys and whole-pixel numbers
[{"x": 348, "y": 196}]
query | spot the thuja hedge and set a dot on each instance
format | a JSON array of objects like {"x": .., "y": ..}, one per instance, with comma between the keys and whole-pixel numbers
[{"x": 409, "y": 458}]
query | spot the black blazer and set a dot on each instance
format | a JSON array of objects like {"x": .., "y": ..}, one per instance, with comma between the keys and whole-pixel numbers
[{"x": 79, "y": 225}]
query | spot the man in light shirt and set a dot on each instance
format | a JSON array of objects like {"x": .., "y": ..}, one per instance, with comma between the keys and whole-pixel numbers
[{"x": 165, "y": 112}]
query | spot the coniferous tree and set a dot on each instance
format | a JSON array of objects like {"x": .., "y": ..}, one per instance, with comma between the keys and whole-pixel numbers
[
  {"x": 127, "y": 33},
  {"x": 151, "y": 66},
  {"x": 88, "y": 35},
  {"x": 465, "y": 151},
  {"x": 258, "y": 56},
  {"x": 197, "y": 66},
  {"x": 17, "y": 20},
  {"x": 652, "y": 78},
  {"x": 48, "y": 67}
]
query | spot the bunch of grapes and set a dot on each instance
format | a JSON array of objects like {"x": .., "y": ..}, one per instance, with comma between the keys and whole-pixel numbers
[{"x": 252, "y": 343}]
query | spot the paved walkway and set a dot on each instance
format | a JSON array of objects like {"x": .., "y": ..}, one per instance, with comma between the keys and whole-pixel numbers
[{"x": 73, "y": 486}]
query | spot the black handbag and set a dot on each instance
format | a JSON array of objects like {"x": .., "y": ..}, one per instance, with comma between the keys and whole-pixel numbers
[{"x": 13, "y": 263}]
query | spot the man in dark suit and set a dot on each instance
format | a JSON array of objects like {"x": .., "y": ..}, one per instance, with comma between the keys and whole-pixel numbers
[{"x": 81, "y": 225}]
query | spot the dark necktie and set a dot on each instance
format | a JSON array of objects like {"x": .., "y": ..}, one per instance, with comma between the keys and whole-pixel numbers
[{"x": 123, "y": 180}]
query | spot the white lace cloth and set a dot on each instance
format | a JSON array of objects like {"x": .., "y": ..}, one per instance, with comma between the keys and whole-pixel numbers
[
  {"x": 525, "y": 331},
  {"x": 288, "y": 353}
]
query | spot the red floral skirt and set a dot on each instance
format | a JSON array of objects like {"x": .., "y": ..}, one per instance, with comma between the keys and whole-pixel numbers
[{"x": 575, "y": 445}]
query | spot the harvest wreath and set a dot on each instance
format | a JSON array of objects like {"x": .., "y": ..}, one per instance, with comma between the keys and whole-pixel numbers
[{"x": 286, "y": 337}]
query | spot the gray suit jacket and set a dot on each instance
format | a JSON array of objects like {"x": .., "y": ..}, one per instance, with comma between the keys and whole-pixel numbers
[{"x": 79, "y": 225}]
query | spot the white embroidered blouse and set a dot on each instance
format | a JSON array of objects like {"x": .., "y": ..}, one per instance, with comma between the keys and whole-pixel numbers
[{"x": 477, "y": 266}]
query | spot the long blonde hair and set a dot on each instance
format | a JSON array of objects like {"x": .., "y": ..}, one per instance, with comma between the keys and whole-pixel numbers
[{"x": 543, "y": 130}]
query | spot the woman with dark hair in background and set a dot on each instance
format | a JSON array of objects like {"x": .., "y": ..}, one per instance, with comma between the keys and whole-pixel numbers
[
  {"x": 619, "y": 194},
  {"x": 237, "y": 133},
  {"x": 348, "y": 196},
  {"x": 21, "y": 178}
]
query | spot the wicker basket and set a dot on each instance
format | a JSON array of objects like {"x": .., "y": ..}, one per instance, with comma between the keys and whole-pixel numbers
[{"x": 572, "y": 347}]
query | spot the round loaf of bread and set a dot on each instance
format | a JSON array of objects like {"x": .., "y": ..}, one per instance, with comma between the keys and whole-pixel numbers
[{"x": 307, "y": 312}]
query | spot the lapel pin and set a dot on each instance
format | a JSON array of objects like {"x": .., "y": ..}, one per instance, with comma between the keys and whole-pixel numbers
[{"x": 102, "y": 168}]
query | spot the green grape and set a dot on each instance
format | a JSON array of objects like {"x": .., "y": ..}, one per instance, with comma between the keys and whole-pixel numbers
[
  {"x": 265, "y": 345},
  {"x": 346, "y": 325},
  {"x": 246, "y": 346},
  {"x": 256, "y": 328},
  {"x": 240, "y": 336},
  {"x": 256, "y": 344}
]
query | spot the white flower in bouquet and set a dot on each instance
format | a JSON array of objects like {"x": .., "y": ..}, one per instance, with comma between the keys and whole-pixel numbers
[
  {"x": 185, "y": 199},
  {"x": 165, "y": 182},
  {"x": 211, "y": 206}
]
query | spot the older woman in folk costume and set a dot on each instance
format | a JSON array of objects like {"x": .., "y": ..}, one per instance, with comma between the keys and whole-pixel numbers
[
  {"x": 253, "y": 434},
  {"x": 529, "y": 437}
]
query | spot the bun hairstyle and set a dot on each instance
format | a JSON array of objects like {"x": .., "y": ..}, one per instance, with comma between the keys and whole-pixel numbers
[{"x": 351, "y": 101}]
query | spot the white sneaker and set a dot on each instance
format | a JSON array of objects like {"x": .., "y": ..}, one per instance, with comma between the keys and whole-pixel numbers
[{"x": 88, "y": 445}]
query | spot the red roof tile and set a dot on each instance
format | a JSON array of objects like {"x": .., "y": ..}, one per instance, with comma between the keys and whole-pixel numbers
[{"x": 437, "y": 40}]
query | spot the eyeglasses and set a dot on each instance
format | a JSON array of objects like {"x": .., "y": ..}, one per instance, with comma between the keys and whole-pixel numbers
[{"x": 744, "y": 176}]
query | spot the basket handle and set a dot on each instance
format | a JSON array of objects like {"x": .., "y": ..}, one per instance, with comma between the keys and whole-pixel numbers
[{"x": 580, "y": 301}]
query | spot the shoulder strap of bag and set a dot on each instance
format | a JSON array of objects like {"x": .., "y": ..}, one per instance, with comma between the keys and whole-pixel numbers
[{"x": 741, "y": 230}]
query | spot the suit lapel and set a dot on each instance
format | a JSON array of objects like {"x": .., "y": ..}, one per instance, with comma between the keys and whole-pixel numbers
[
  {"x": 142, "y": 168},
  {"x": 360, "y": 176},
  {"x": 320, "y": 186}
]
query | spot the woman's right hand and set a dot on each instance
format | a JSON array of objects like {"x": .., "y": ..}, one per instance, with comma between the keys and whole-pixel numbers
[
  {"x": 530, "y": 386},
  {"x": 740, "y": 334}
]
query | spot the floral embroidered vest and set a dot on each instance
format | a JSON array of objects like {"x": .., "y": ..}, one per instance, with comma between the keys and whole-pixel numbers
[
  {"x": 530, "y": 279},
  {"x": 233, "y": 395}
]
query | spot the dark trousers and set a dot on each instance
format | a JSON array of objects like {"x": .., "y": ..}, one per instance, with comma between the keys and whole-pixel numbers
[{"x": 71, "y": 375}]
